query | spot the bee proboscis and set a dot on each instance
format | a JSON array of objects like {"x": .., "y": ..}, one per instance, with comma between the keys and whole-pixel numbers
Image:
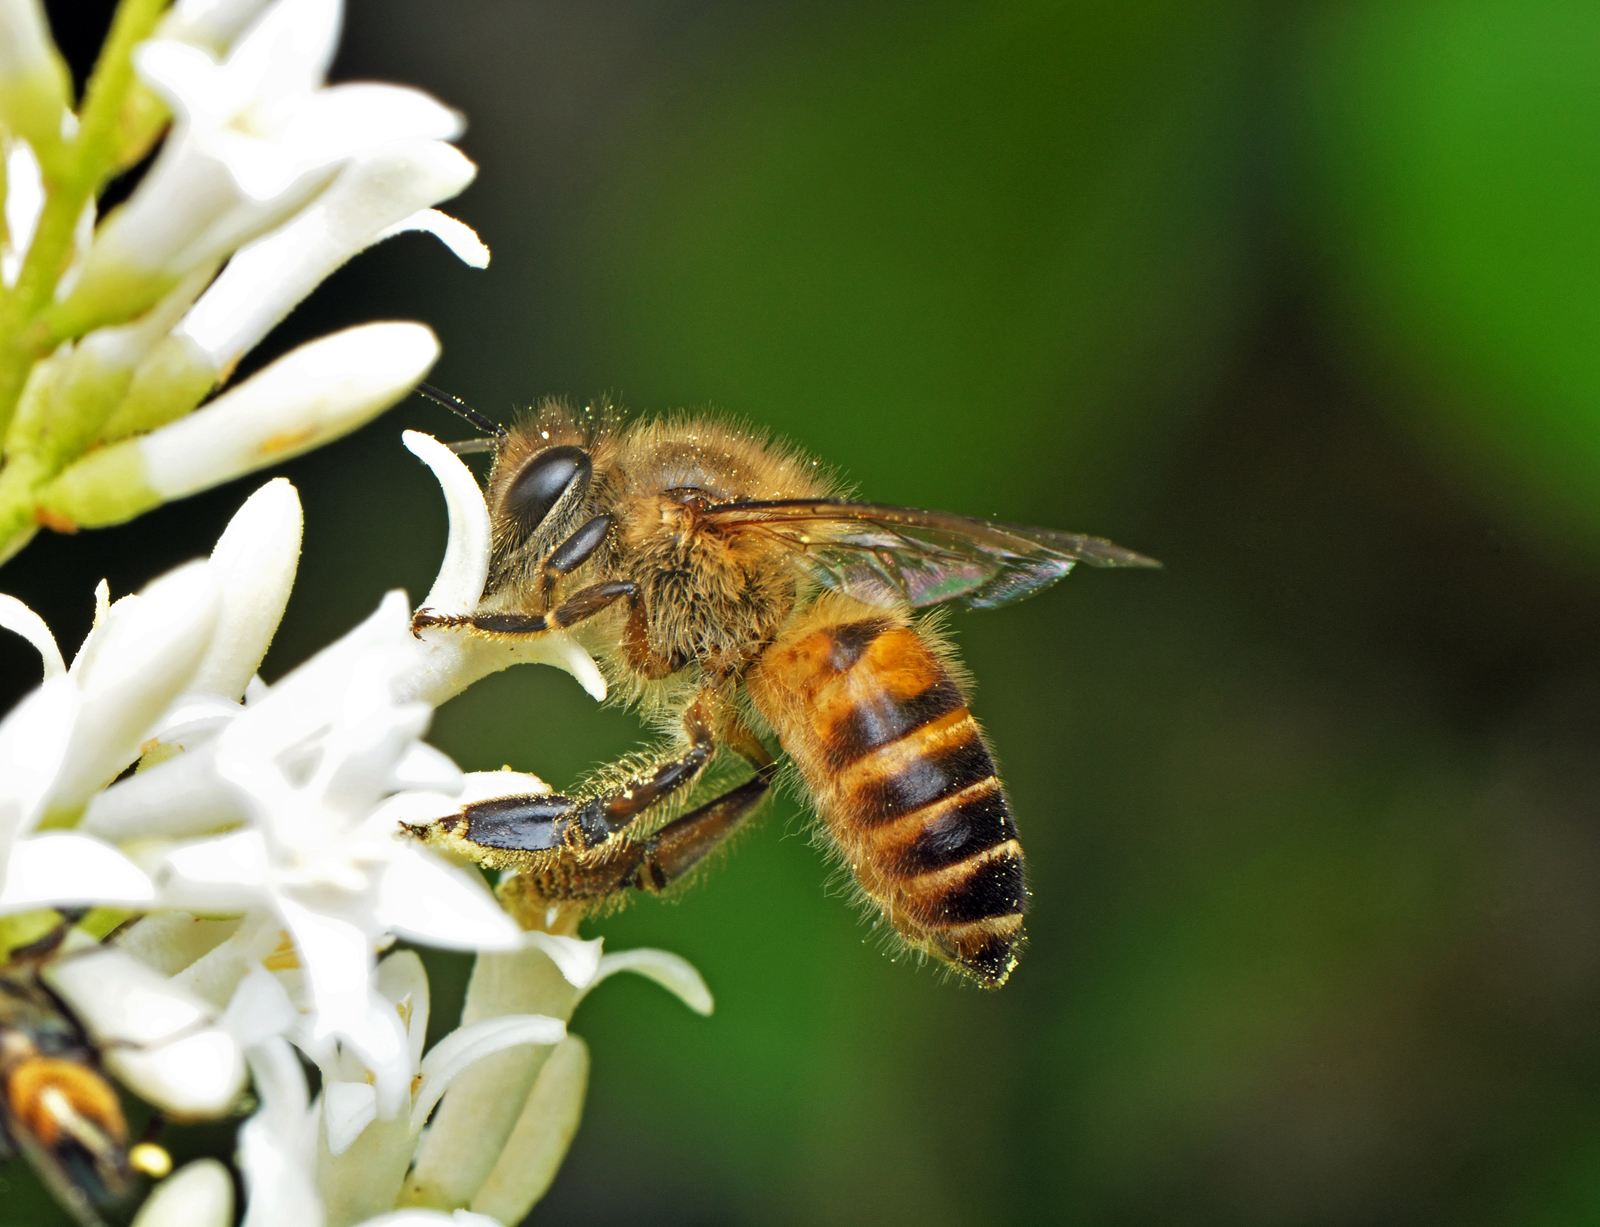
[{"x": 725, "y": 585}]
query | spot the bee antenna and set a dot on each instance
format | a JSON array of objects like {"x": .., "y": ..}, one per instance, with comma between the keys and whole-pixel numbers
[{"x": 459, "y": 407}]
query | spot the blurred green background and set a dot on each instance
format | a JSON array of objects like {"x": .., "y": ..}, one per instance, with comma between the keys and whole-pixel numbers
[{"x": 1303, "y": 299}]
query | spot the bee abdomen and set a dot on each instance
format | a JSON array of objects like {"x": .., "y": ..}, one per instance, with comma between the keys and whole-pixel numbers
[{"x": 909, "y": 789}]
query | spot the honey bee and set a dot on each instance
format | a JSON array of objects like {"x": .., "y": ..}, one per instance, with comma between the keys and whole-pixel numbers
[
  {"x": 57, "y": 1107},
  {"x": 724, "y": 582}
]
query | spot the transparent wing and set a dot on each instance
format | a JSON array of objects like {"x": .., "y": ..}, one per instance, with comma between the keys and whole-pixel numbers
[{"x": 888, "y": 555}]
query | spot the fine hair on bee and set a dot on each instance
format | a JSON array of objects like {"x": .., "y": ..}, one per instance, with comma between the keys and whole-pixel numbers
[{"x": 732, "y": 591}]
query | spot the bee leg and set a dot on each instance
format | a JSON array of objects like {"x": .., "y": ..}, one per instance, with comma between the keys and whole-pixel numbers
[
  {"x": 585, "y": 603},
  {"x": 684, "y": 842},
  {"x": 41, "y": 948},
  {"x": 549, "y": 822},
  {"x": 572, "y": 554},
  {"x": 652, "y": 864}
]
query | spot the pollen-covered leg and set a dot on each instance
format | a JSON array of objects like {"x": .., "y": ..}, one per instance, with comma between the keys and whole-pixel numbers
[
  {"x": 652, "y": 864},
  {"x": 497, "y": 831}
]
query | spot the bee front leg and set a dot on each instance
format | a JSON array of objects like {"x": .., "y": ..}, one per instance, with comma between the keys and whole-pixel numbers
[{"x": 583, "y": 604}]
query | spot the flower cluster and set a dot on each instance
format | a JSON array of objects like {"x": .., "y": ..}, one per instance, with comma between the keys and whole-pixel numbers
[
  {"x": 236, "y": 846},
  {"x": 113, "y": 330},
  {"x": 255, "y": 848}
]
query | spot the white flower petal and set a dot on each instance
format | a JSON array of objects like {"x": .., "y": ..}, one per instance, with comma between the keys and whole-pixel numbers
[
  {"x": 17, "y": 618},
  {"x": 185, "y": 77},
  {"x": 460, "y": 238},
  {"x": 486, "y": 785},
  {"x": 337, "y": 958},
  {"x": 159, "y": 1038},
  {"x": 287, "y": 52},
  {"x": 427, "y": 899},
  {"x": 578, "y": 960},
  {"x": 193, "y": 719},
  {"x": 259, "y": 1008},
  {"x": 194, "y": 1077},
  {"x": 364, "y": 1179},
  {"x": 25, "y": 44},
  {"x": 210, "y": 24},
  {"x": 33, "y": 742},
  {"x": 431, "y": 1218},
  {"x": 254, "y": 563},
  {"x": 403, "y": 980},
  {"x": 198, "y": 1194},
  {"x": 265, "y": 279},
  {"x": 170, "y": 941},
  {"x": 132, "y": 667},
  {"x": 24, "y": 198},
  {"x": 470, "y": 1127},
  {"x": 304, "y": 702},
  {"x": 466, "y": 1046},
  {"x": 224, "y": 874},
  {"x": 465, "y": 567},
  {"x": 671, "y": 972},
  {"x": 347, "y": 1109},
  {"x": 314, "y": 393},
  {"x": 277, "y": 1146},
  {"x": 180, "y": 797},
  {"x": 365, "y": 116},
  {"x": 543, "y": 1134},
  {"x": 422, "y": 767},
  {"x": 64, "y": 868}
]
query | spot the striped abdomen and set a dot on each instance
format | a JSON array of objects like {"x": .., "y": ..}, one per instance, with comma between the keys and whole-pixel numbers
[{"x": 883, "y": 737}]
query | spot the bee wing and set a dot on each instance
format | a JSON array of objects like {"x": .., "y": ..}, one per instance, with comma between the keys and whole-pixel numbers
[{"x": 886, "y": 555}]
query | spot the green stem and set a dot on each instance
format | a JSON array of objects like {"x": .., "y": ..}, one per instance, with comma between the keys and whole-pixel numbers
[{"x": 86, "y": 164}]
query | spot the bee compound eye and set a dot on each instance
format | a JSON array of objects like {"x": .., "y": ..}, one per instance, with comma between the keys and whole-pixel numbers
[{"x": 542, "y": 482}]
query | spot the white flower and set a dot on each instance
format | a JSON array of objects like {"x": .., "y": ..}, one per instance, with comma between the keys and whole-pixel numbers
[
  {"x": 266, "y": 174},
  {"x": 24, "y": 198},
  {"x": 158, "y": 1038},
  {"x": 370, "y": 199},
  {"x": 34, "y": 84},
  {"x": 256, "y": 135},
  {"x": 266, "y": 834},
  {"x": 311, "y": 395},
  {"x": 495, "y": 1142},
  {"x": 514, "y": 1137},
  {"x": 199, "y": 1194}
]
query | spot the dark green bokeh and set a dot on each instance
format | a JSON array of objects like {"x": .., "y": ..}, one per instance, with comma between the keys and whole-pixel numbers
[{"x": 1300, "y": 299}]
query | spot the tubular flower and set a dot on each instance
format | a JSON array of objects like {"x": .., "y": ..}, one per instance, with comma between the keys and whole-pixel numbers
[
  {"x": 255, "y": 850},
  {"x": 112, "y": 332}
]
